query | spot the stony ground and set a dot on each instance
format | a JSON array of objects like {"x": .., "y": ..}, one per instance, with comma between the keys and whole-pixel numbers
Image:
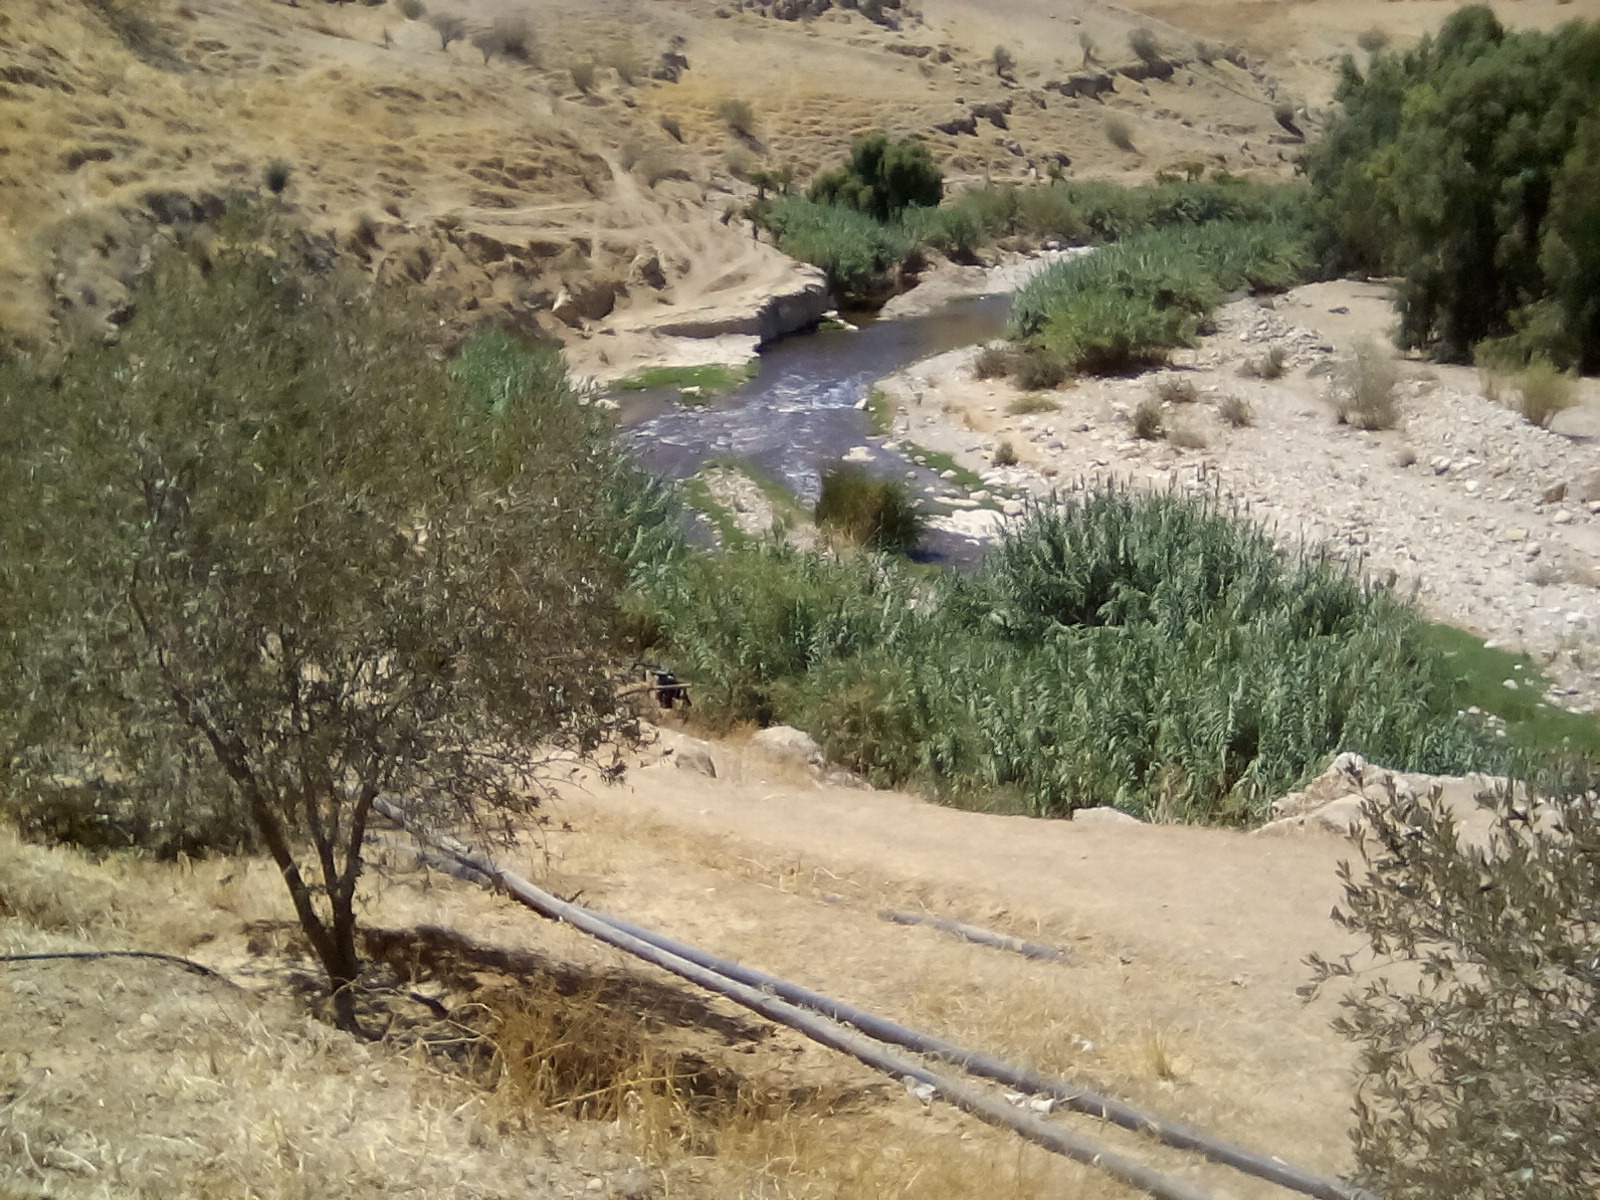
[{"x": 1495, "y": 522}]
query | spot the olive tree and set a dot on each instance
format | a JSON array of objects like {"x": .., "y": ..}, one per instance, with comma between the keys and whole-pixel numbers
[
  {"x": 271, "y": 557},
  {"x": 1478, "y": 1018}
]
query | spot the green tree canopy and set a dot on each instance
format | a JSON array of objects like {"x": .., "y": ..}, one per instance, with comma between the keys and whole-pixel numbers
[
  {"x": 1465, "y": 167},
  {"x": 271, "y": 556},
  {"x": 882, "y": 178}
]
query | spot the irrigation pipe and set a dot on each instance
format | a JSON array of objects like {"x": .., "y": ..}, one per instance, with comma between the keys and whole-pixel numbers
[
  {"x": 813, "y": 1025},
  {"x": 1172, "y": 1133},
  {"x": 187, "y": 964},
  {"x": 972, "y": 933}
]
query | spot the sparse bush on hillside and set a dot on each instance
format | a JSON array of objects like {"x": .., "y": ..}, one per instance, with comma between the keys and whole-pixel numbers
[
  {"x": 1086, "y": 43},
  {"x": 1478, "y": 996},
  {"x": 240, "y": 569},
  {"x": 1185, "y": 435},
  {"x": 1283, "y": 114},
  {"x": 1205, "y": 53},
  {"x": 671, "y": 126},
  {"x": 276, "y": 176},
  {"x": 1363, "y": 389},
  {"x": 583, "y": 72},
  {"x": 1144, "y": 45},
  {"x": 1005, "y": 455},
  {"x": 876, "y": 513},
  {"x": 412, "y": 10},
  {"x": 1004, "y": 62},
  {"x": 449, "y": 27},
  {"x": 514, "y": 34},
  {"x": 1031, "y": 403},
  {"x": 737, "y": 115},
  {"x": 1373, "y": 40},
  {"x": 1543, "y": 391},
  {"x": 624, "y": 58},
  {"x": 1119, "y": 131}
]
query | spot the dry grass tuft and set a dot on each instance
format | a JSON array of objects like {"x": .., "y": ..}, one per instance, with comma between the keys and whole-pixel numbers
[
  {"x": 1236, "y": 411},
  {"x": 1363, "y": 390},
  {"x": 1119, "y": 132},
  {"x": 1175, "y": 389},
  {"x": 1149, "y": 421},
  {"x": 1186, "y": 436},
  {"x": 1542, "y": 392}
]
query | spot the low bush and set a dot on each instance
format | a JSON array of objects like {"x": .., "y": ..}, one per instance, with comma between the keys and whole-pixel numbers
[
  {"x": 1175, "y": 389},
  {"x": 1144, "y": 45},
  {"x": 992, "y": 362},
  {"x": 412, "y": 10},
  {"x": 1186, "y": 436},
  {"x": 876, "y": 513},
  {"x": 1004, "y": 62},
  {"x": 1373, "y": 40},
  {"x": 1236, "y": 411},
  {"x": 1031, "y": 404},
  {"x": 1270, "y": 365},
  {"x": 1149, "y": 420},
  {"x": 1542, "y": 392},
  {"x": 583, "y": 73},
  {"x": 1363, "y": 389},
  {"x": 276, "y": 176},
  {"x": 1119, "y": 131},
  {"x": 1036, "y": 368},
  {"x": 738, "y": 116},
  {"x": 1005, "y": 455}
]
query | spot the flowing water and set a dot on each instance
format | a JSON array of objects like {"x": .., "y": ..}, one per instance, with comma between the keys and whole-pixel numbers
[{"x": 799, "y": 413}]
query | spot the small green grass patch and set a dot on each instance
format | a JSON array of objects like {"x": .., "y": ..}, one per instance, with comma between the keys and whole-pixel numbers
[{"x": 711, "y": 380}]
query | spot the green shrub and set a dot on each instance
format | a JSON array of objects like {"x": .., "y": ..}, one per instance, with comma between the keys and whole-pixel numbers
[
  {"x": 1373, "y": 39},
  {"x": 1005, "y": 455},
  {"x": 1128, "y": 305},
  {"x": 882, "y": 178},
  {"x": 856, "y": 252},
  {"x": 956, "y": 232},
  {"x": 1363, "y": 389},
  {"x": 876, "y": 513},
  {"x": 1474, "y": 1015},
  {"x": 449, "y": 26}
]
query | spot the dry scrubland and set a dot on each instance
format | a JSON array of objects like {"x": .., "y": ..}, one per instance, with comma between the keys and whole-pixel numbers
[
  {"x": 522, "y": 1059},
  {"x": 498, "y": 185}
]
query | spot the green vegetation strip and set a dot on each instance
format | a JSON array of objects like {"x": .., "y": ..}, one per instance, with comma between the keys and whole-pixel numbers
[
  {"x": 1150, "y": 652},
  {"x": 1479, "y": 675},
  {"x": 713, "y": 380}
]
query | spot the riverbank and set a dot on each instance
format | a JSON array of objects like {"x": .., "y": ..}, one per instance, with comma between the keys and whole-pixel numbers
[{"x": 1494, "y": 523}]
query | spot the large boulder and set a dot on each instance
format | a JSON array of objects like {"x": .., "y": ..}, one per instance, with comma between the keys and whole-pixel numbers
[{"x": 785, "y": 743}]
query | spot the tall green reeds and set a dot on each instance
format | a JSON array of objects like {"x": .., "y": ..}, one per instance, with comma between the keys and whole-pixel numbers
[{"x": 1155, "y": 653}]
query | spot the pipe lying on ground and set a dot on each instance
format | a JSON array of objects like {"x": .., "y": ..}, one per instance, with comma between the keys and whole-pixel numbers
[
  {"x": 982, "y": 937},
  {"x": 1172, "y": 1133},
  {"x": 813, "y": 1025}
]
